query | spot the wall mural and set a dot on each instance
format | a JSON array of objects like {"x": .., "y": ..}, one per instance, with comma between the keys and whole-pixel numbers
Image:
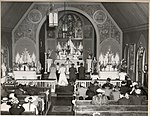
[{"x": 28, "y": 25}]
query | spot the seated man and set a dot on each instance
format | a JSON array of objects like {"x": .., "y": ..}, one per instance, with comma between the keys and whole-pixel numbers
[
  {"x": 124, "y": 89},
  {"x": 137, "y": 99},
  {"x": 92, "y": 90},
  {"x": 107, "y": 84},
  {"x": 33, "y": 90},
  {"x": 124, "y": 100},
  {"x": 100, "y": 97},
  {"x": 19, "y": 90}
]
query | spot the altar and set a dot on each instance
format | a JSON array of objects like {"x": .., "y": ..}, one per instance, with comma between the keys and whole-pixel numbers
[
  {"x": 24, "y": 75},
  {"x": 113, "y": 75}
]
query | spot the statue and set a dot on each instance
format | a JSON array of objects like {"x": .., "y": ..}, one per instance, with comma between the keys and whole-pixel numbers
[
  {"x": 94, "y": 66},
  {"x": 4, "y": 69},
  {"x": 38, "y": 69},
  {"x": 17, "y": 58},
  {"x": 49, "y": 52},
  {"x": 49, "y": 60},
  {"x": 72, "y": 47}
]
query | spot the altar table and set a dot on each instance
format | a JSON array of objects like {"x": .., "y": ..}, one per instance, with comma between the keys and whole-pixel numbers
[
  {"x": 109, "y": 74},
  {"x": 25, "y": 75},
  {"x": 63, "y": 61}
]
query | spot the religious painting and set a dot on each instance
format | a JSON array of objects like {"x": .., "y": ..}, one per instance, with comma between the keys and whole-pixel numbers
[{"x": 131, "y": 57}]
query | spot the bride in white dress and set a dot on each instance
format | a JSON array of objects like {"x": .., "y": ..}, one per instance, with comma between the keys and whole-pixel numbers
[{"x": 62, "y": 78}]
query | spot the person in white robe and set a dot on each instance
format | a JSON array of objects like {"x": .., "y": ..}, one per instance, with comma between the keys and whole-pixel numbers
[
  {"x": 62, "y": 78},
  {"x": 52, "y": 74}
]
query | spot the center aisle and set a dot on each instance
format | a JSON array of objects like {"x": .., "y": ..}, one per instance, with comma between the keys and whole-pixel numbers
[{"x": 62, "y": 103}]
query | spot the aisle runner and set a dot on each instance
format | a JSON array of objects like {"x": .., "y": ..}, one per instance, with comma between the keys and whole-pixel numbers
[{"x": 61, "y": 109}]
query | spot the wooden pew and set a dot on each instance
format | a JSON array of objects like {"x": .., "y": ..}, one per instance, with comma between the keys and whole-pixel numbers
[
  {"x": 24, "y": 113},
  {"x": 85, "y": 108}
]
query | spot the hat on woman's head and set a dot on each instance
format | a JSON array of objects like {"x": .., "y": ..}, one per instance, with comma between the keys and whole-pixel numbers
[
  {"x": 138, "y": 91},
  {"x": 100, "y": 91},
  {"x": 134, "y": 83},
  {"x": 11, "y": 95},
  {"x": 5, "y": 99}
]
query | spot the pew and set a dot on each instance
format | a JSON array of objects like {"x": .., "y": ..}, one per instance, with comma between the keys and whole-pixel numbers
[
  {"x": 85, "y": 108},
  {"x": 24, "y": 113}
]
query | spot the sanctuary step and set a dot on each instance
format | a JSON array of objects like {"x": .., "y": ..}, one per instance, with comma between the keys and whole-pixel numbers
[{"x": 64, "y": 91}]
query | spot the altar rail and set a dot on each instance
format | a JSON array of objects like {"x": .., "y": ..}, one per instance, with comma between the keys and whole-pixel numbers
[
  {"x": 101, "y": 82},
  {"x": 40, "y": 83}
]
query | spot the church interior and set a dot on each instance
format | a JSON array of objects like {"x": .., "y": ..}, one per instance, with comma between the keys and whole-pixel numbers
[{"x": 74, "y": 58}]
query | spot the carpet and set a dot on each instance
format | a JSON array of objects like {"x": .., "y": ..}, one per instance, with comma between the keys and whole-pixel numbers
[{"x": 61, "y": 109}]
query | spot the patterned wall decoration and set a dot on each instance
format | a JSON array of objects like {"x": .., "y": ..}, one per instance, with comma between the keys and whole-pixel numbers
[{"x": 34, "y": 16}]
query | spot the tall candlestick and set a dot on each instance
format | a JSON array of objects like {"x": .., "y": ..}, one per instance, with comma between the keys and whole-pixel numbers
[{"x": 45, "y": 63}]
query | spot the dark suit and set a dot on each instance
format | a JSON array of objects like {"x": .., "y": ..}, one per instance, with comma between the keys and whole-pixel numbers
[
  {"x": 72, "y": 74},
  {"x": 81, "y": 71},
  {"x": 124, "y": 101}
]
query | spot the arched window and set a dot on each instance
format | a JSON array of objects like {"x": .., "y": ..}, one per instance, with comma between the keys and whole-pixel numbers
[{"x": 70, "y": 26}]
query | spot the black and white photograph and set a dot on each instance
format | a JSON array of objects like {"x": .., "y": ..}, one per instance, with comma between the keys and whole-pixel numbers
[{"x": 74, "y": 58}]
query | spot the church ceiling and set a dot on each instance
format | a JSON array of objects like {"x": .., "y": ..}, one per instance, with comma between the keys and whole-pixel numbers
[{"x": 126, "y": 15}]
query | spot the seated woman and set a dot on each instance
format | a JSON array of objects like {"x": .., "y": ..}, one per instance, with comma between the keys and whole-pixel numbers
[
  {"x": 29, "y": 106},
  {"x": 100, "y": 98},
  {"x": 5, "y": 104},
  {"x": 82, "y": 91},
  {"x": 16, "y": 108},
  {"x": 52, "y": 74}
]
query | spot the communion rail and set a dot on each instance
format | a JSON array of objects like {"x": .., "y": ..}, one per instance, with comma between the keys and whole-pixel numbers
[
  {"x": 39, "y": 83},
  {"x": 101, "y": 82}
]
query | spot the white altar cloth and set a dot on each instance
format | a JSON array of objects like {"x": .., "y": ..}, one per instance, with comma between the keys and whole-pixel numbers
[
  {"x": 109, "y": 74},
  {"x": 25, "y": 75},
  {"x": 73, "y": 61}
]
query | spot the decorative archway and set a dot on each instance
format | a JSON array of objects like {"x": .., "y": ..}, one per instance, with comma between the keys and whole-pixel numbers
[{"x": 71, "y": 9}]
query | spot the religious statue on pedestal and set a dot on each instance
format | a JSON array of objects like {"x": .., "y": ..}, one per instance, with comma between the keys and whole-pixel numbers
[
  {"x": 94, "y": 66},
  {"x": 89, "y": 61},
  {"x": 3, "y": 69},
  {"x": 48, "y": 60}
]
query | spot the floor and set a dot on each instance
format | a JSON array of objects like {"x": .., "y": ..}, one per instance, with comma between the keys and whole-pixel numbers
[{"x": 62, "y": 103}]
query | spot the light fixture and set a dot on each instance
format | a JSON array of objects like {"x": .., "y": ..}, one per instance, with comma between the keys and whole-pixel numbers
[{"x": 52, "y": 17}]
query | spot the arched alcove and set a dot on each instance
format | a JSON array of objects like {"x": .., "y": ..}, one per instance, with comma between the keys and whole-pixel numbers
[
  {"x": 84, "y": 14},
  {"x": 23, "y": 43},
  {"x": 111, "y": 44},
  {"x": 52, "y": 35}
]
